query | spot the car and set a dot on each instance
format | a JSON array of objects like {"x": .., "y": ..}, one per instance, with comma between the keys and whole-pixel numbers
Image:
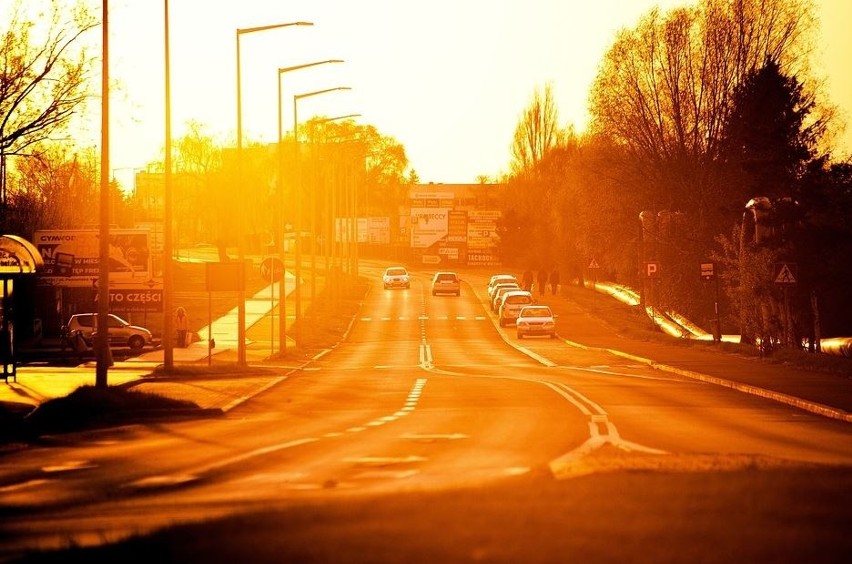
[
  {"x": 396, "y": 277},
  {"x": 536, "y": 320},
  {"x": 121, "y": 333},
  {"x": 446, "y": 283},
  {"x": 500, "y": 279},
  {"x": 511, "y": 304},
  {"x": 499, "y": 290}
]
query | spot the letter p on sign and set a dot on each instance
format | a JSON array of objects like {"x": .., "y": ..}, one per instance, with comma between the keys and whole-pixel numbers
[{"x": 652, "y": 269}]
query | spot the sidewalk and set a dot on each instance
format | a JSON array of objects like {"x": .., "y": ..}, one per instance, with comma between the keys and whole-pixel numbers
[
  {"x": 36, "y": 384},
  {"x": 826, "y": 394}
]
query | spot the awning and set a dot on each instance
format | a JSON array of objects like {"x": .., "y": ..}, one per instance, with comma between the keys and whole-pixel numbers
[{"x": 18, "y": 256}]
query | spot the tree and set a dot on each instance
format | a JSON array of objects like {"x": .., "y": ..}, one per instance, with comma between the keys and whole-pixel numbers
[
  {"x": 51, "y": 188},
  {"x": 769, "y": 144},
  {"x": 768, "y": 139},
  {"x": 537, "y": 131},
  {"x": 43, "y": 75},
  {"x": 665, "y": 88}
]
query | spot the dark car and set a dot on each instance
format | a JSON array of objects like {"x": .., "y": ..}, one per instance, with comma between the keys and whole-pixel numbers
[{"x": 446, "y": 283}]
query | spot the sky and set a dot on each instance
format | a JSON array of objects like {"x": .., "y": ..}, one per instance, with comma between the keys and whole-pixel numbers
[{"x": 448, "y": 79}]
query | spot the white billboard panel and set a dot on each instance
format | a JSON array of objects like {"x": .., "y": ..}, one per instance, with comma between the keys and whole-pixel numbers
[
  {"x": 428, "y": 226},
  {"x": 72, "y": 256}
]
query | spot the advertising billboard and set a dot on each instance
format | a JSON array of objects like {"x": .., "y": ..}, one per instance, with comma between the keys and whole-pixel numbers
[{"x": 72, "y": 256}]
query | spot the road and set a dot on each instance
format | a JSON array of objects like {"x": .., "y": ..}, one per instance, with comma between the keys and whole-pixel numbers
[{"x": 431, "y": 433}]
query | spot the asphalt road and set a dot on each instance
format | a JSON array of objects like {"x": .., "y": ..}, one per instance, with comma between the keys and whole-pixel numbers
[{"x": 432, "y": 435}]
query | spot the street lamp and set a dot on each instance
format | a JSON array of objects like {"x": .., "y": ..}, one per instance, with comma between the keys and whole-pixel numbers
[
  {"x": 298, "y": 269},
  {"x": 282, "y": 298},
  {"x": 335, "y": 203},
  {"x": 241, "y": 307}
]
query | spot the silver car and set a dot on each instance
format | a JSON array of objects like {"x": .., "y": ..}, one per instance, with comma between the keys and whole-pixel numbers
[
  {"x": 121, "y": 333},
  {"x": 511, "y": 304},
  {"x": 396, "y": 277},
  {"x": 536, "y": 320}
]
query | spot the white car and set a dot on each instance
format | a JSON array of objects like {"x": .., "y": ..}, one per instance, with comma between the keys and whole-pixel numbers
[
  {"x": 396, "y": 277},
  {"x": 500, "y": 279},
  {"x": 498, "y": 292},
  {"x": 536, "y": 320},
  {"x": 121, "y": 333},
  {"x": 511, "y": 304}
]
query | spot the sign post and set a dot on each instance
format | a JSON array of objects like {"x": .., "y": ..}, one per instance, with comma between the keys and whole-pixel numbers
[
  {"x": 785, "y": 274},
  {"x": 708, "y": 273}
]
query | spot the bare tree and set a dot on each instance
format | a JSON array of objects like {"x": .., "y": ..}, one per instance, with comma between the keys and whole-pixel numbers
[
  {"x": 665, "y": 87},
  {"x": 43, "y": 74},
  {"x": 50, "y": 188},
  {"x": 537, "y": 131}
]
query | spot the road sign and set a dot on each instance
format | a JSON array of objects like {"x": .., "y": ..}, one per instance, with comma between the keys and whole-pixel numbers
[
  {"x": 594, "y": 264},
  {"x": 652, "y": 269},
  {"x": 785, "y": 273},
  {"x": 431, "y": 259},
  {"x": 271, "y": 269},
  {"x": 708, "y": 270}
]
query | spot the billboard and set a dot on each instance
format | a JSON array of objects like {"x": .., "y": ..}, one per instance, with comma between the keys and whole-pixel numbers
[
  {"x": 72, "y": 256},
  {"x": 428, "y": 226}
]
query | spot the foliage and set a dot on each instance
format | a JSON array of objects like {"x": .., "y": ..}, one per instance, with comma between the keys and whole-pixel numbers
[
  {"x": 43, "y": 82},
  {"x": 665, "y": 91},
  {"x": 696, "y": 111},
  {"x": 43, "y": 75},
  {"x": 537, "y": 131},
  {"x": 50, "y": 189}
]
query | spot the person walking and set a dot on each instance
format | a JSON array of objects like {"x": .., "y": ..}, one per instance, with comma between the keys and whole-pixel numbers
[
  {"x": 554, "y": 280},
  {"x": 527, "y": 280},
  {"x": 542, "y": 281},
  {"x": 182, "y": 327}
]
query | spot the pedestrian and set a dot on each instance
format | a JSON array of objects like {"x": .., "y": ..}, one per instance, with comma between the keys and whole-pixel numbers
[
  {"x": 527, "y": 280},
  {"x": 182, "y": 327},
  {"x": 542, "y": 281},
  {"x": 554, "y": 280}
]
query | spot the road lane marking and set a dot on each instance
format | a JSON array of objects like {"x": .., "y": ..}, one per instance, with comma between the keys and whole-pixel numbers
[
  {"x": 384, "y": 460},
  {"x": 602, "y": 432},
  {"x": 425, "y": 356},
  {"x": 178, "y": 479},
  {"x": 433, "y": 437}
]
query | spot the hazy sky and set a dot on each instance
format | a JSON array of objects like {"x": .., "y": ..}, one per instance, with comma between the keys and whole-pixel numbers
[{"x": 447, "y": 78}]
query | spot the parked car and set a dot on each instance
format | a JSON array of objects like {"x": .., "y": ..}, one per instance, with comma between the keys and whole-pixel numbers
[
  {"x": 446, "y": 283},
  {"x": 536, "y": 320},
  {"x": 499, "y": 290},
  {"x": 121, "y": 333},
  {"x": 511, "y": 304},
  {"x": 396, "y": 277},
  {"x": 500, "y": 279}
]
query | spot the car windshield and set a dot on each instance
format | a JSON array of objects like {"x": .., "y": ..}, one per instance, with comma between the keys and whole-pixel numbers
[
  {"x": 396, "y": 272},
  {"x": 446, "y": 278},
  {"x": 536, "y": 312},
  {"x": 503, "y": 280},
  {"x": 522, "y": 299}
]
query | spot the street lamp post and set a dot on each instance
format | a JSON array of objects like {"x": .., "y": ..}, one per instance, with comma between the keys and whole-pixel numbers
[
  {"x": 335, "y": 200},
  {"x": 241, "y": 307},
  {"x": 298, "y": 269},
  {"x": 101, "y": 340},
  {"x": 168, "y": 228},
  {"x": 282, "y": 296}
]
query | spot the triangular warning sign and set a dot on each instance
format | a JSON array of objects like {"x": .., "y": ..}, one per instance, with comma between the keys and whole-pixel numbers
[
  {"x": 785, "y": 275},
  {"x": 594, "y": 264}
]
